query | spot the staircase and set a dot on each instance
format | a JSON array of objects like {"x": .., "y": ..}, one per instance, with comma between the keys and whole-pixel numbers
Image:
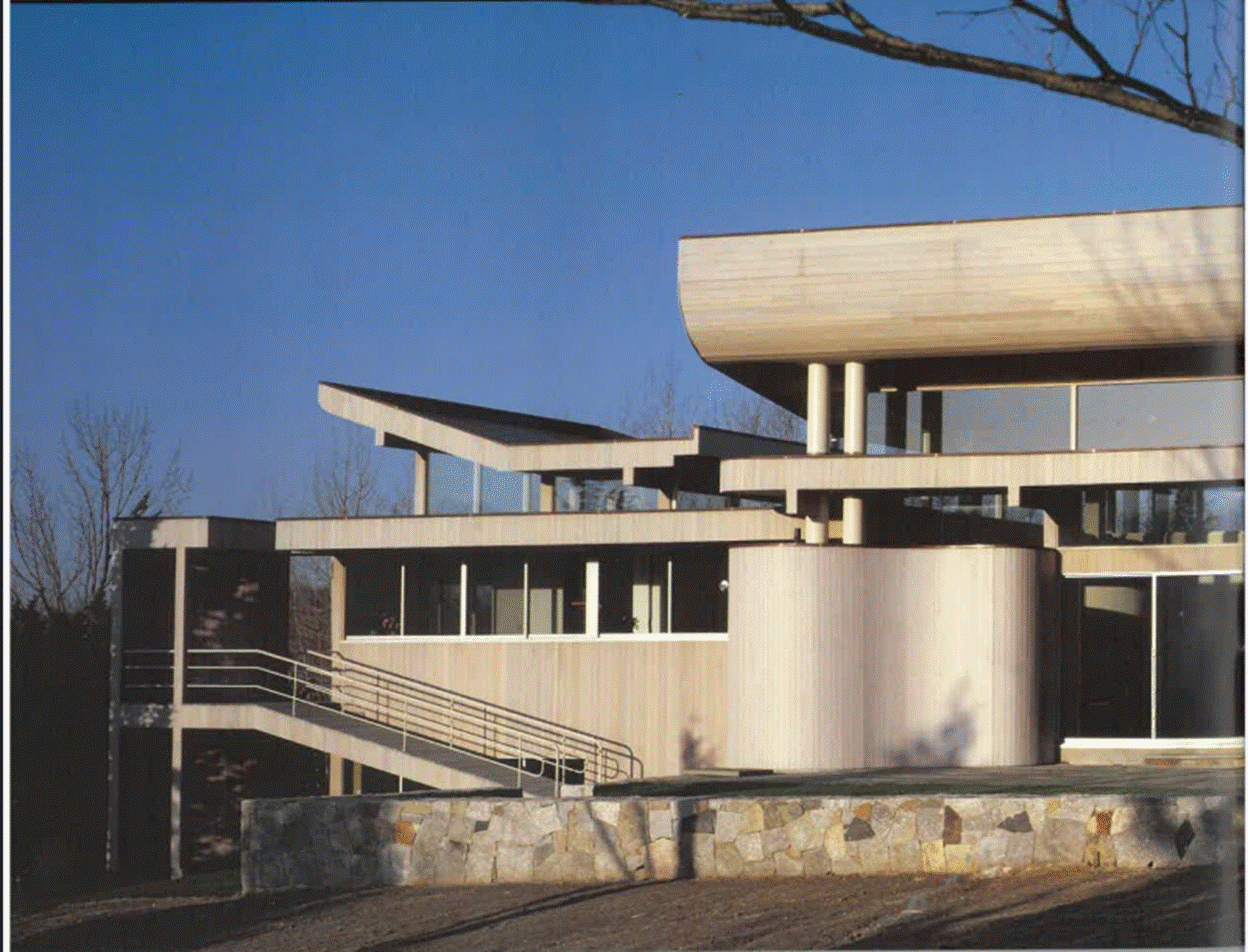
[{"x": 400, "y": 725}]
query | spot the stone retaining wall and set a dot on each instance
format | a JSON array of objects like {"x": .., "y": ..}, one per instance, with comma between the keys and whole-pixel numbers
[{"x": 356, "y": 842}]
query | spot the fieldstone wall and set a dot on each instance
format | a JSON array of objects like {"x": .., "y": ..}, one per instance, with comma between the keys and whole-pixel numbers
[{"x": 355, "y": 842}]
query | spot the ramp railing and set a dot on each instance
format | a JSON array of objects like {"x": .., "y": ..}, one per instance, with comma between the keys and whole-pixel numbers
[{"x": 407, "y": 712}]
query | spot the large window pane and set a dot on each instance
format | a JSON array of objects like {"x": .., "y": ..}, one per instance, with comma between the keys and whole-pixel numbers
[
  {"x": 1142, "y": 415},
  {"x": 1200, "y": 656},
  {"x": 1115, "y": 680},
  {"x": 372, "y": 595},
  {"x": 1158, "y": 515},
  {"x": 431, "y": 606},
  {"x": 1006, "y": 420}
]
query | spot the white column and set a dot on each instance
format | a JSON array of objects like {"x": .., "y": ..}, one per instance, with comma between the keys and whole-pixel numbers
[
  {"x": 420, "y": 482},
  {"x": 1074, "y": 416},
  {"x": 179, "y": 683},
  {"x": 526, "y": 491},
  {"x": 463, "y": 598},
  {"x": 476, "y": 487},
  {"x": 591, "y": 598},
  {"x": 817, "y": 409},
  {"x": 855, "y": 444},
  {"x": 817, "y": 433}
]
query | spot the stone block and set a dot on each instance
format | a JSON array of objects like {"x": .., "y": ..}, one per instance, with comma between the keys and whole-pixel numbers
[
  {"x": 763, "y": 867},
  {"x": 989, "y": 849},
  {"x": 933, "y": 856},
  {"x": 750, "y": 846},
  {"x": 479, "y": 868},
  {"x": 519, "y": 829},
  {"x": 479, "y": 810},
  {"x": 874, "y": 856},
  {"x": 929, "y": 823},
  {"x": 787, "y": 865},
  {"x": 703, "y": 854},
  {"x": 906, "y": 857},
  {"x": 405, "y": 832},
  {"x": 546, "y": 819},
  {"x": 432, "y": 833},
  {"x": 610, "y": 867},
  {"x": 450, "y": 865},
  {"x": 605, "y": 811},
  {"x": 815, "y": 862},
  {"x": 1061, "y": 841},
  {"x": 632, "y": 827},
  {"x": 774, "y": 840},
  {"x": 951, "y": 832},
  {"x": 461, "y": 829},
  {"x": 820, "y": 819},
  {"x": 660, "y": 824},
  {"x": 752, "y": 818},
  {"x": 727, "y": 826},
  {"x": 773, "y": 815},
  {"x": 1100, "y": 853},
  {"x": 959, "y": 858},
  {"x": 580, "y": 868},
  {"x": 802, "y": 834},
  {"x": 1135, "y": 849},
  {"x": 514, "y": 864},
  {"x": 663, "y": 858},
  {"x": 902, "y": 829},
  {"x": 728, "y": 861},
  {"x": 1020, "y": 850},
  {"x": 834, "y": 841},
  {"x": 858, "y": 829},
  {"x": 862, "y": 809}
]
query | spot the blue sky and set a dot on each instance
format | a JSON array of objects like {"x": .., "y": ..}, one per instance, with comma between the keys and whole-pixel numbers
[{"x": 216, "y": 206}]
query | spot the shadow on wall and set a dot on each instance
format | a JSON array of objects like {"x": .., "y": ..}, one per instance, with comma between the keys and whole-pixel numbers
[
  {"x": 948, "y": 744},
  {"x": 695, "y": 753}
]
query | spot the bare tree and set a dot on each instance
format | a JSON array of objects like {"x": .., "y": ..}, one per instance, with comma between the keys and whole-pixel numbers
[
  {"x": 62, "y": 532},
  {"x": 663, "y": 409},
  {"x": 1162, "y": 34},
  {"x": 345, "y": 483},
  {"x": 754, "y": 414}
]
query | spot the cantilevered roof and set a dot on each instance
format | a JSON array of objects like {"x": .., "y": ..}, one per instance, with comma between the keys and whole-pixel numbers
[
  {"x": 502, "y": 426},
  {"x": 929, "y": 303},
  {"x": 520, "y": 442}
]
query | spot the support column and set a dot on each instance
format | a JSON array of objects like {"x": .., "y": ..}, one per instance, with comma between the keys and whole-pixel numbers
[
  {"x": 112, "y": 841},
  {"x": 476, "y": 487},
  {"x": 357, "y": 777},
  {"x": 591, "y": 598},
  {"x": 817, "y": 399},
  {"x": 420, "y": 482},
  {"x": 855, "y": 445},
  {"x": 337, "y": 603},
  {"x": 526, "y": 491},
  {"x": 335, "y": 775},
  {"x": 175, "y": 718},
  {"x": 931, "y": 420},
  {"x": 463, "y": 598},
  {"x": 546, "y": 494}
]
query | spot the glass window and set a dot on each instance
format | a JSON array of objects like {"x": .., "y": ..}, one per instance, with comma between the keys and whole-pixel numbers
[
  {"x": 1179, "y": 413},
  {"x": 372, "y": 595},
  {"x": 431, "y": 603},
  {"x": 1200, "y": 656},
  {"x": 1159, "y": 515},
  {"x": 1006, "y": 420},
  {"x": 1115, "y": 677}
]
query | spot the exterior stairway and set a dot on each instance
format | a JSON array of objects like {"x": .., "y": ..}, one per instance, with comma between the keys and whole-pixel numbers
[{"x": 409, "y": 728}]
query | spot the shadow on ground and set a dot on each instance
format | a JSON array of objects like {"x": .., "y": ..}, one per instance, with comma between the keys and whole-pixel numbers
[{"x": 1201, "y": 906}]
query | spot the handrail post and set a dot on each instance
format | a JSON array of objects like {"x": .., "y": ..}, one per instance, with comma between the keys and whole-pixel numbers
[
  {"x": 597, "y": 762},
  {"x": 294, "y": 686},
  {"x": 451, "y": 722}
]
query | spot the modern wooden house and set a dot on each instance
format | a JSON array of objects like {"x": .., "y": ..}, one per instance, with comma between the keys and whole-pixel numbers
[{"x": 1014, "y": 535}]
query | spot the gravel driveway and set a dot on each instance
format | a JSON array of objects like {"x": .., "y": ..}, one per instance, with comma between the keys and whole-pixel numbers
[{"x": 1035, "y": 908}]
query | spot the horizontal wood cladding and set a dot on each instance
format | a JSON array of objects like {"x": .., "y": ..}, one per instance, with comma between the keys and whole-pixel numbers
[
  {"x": 1144, "y": 279},
  {"x": 972, "y": 471},
  {"x": 665, "y": 699},
  {"x": 843, "y": 657},
  {"x": 1114, "y": 559},
  {"x": 535, "y": 529}
]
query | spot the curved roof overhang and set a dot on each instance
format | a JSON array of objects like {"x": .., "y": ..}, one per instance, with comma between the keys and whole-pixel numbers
[{"x": 1167, "y": 283}]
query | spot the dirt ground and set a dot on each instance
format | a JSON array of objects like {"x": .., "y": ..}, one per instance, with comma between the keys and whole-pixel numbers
[{"x": 1039, "y": 908}]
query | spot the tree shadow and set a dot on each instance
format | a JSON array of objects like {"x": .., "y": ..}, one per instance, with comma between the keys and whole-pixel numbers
[
  {"x": 1188, "y": 907},
  {"x": 948, "y": 744}
]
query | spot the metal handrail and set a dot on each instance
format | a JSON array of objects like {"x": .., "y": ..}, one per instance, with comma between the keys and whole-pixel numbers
[
  {"x": 584, "y": 741},
  {"x": 411, "y": 708}
]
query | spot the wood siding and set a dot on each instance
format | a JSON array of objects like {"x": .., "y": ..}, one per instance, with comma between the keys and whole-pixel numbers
[
  {"x": 855, "y": 657},
  {"x": 665, "y": 699},
  {"x": 1143, "y": 279}
]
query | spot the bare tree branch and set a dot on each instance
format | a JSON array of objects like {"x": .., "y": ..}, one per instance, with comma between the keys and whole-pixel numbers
[
  {"x": 62, "y": 538},
  {"x": 1111, "y": 86}
]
